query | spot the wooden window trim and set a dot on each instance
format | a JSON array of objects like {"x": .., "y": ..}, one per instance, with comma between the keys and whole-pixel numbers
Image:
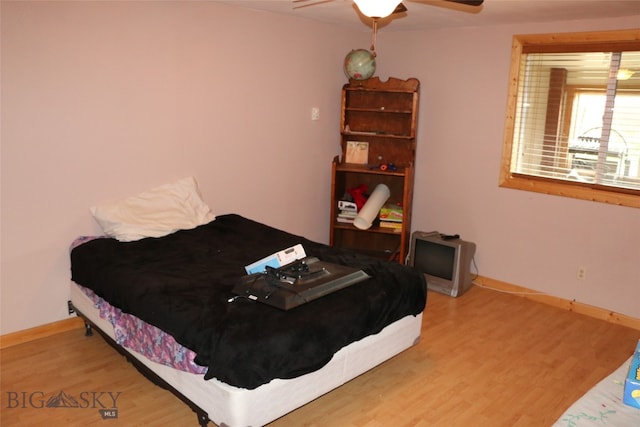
[{"x": 538, "y": 43}]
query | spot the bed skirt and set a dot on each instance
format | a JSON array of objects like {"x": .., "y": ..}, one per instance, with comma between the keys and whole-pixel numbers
[{"x": 227, "y": 405}]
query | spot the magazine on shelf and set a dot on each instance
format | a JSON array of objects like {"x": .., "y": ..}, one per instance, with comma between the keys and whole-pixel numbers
[{"x": 391, "y": 213}]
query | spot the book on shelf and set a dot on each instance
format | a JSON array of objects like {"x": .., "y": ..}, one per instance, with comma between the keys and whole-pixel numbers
[
  {"x": 347, "y": 212},
  {"x": 394, "y": 225},
  {"x": 391, "y": 213},
  {"x": 346, "y": 216},
  {"x": 345, "y": 220}
]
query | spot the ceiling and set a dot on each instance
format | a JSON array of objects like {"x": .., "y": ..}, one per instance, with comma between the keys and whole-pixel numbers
[{"x": 434, "y": 14}]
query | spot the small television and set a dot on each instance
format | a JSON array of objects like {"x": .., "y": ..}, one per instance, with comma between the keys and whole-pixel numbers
[{"x": 444, "y": 260}]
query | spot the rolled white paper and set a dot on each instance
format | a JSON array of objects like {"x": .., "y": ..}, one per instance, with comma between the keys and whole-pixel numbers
[{"x": 372, "y": 207}]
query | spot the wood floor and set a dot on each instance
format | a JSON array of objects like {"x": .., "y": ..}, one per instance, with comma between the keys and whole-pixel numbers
[{"x": 485, "y": 359}]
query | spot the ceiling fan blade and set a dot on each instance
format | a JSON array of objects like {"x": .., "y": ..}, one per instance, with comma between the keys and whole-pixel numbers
[
  {"x": 467, "y": 2},
  {"x": 311, "y": 3},
  {"x": 401, "y": 8},
  {"x": 299, "y": 4}
]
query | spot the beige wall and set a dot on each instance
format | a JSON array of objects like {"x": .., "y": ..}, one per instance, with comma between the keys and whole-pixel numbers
[
  {"x": 101, "y": 100},
  {"x": 528, "y": 239}
]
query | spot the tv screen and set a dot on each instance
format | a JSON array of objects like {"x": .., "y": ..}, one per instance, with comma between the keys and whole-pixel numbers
[
  {"x": 436, "y": 259},
  {"x": 444, "y": 261}
]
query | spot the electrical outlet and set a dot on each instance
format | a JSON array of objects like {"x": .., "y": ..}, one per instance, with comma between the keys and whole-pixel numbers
[
  {"x": 315, "y": 113},
  {"x": 582, "y": 273},
  {"x": 70, "y": 308}
]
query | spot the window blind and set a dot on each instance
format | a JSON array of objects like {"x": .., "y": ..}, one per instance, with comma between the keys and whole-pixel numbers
[{"x": 577, "y": 118}]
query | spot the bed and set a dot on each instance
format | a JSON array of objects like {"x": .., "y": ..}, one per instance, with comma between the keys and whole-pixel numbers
[{"x": 235, "y": 361}]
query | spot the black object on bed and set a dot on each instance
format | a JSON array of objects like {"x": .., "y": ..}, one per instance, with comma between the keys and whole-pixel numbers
[
  {"x": 288, "y": 287},
  {"x": 182, "y": 284}
]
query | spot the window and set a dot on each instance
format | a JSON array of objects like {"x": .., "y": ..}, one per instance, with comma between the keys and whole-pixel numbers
[{"x": 573, "y": 119}]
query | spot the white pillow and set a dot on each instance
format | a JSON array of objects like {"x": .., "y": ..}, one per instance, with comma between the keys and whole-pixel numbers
[{"x": 154, "y": 213}]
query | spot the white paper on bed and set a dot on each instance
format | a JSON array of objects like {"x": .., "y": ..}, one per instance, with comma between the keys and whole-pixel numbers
[
  {"x": 602, "y": 405},
  {"x": 278, "y": 259}
]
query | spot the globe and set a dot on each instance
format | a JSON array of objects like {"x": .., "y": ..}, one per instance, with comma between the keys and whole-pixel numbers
[{"x": 359, "y": 64}]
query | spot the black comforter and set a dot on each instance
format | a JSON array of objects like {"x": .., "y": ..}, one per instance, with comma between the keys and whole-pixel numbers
[{"x": 182, "y": 282}]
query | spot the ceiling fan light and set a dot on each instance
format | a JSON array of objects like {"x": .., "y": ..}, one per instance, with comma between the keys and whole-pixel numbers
[
  {"x": 377, "y": 8},
  {"x": 625, "y": 74}
]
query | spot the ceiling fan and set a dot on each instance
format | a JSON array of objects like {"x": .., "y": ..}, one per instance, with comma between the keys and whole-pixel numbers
[{"x": 377, "y": 9}]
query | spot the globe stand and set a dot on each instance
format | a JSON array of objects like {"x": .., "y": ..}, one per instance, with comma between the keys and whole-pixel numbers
[{"x": 374, "y": 35}]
